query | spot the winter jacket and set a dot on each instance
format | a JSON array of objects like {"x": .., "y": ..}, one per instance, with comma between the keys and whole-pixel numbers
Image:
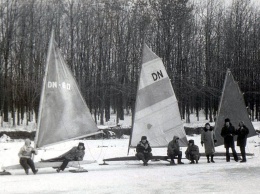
[
  {"x": 192, "y": 150},
  {"x": 227, "y": 133},
  {"x": 26, "y": 151},
  {"x": 143, "y": 147},
  {"x": 208, "y": 139},
  {"x": 74, "y": 154},
  {"x": 173, "y": 147},
  {"x": 242, "y": 136}
]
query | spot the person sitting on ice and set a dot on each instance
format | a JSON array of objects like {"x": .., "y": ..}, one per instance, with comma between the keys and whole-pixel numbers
[
  {"x": 192, "y": 153},
  {"x": 74, "y": 154},
  {"x": 174, "y": 150},
  {"x": 144, "y": 150},
  {"x": 25, "y": 155}
]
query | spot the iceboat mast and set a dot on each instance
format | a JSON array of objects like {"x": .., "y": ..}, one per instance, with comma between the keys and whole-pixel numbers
[{"x": 43, "y": 89}]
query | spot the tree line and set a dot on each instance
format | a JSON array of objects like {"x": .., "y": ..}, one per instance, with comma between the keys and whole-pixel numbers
[{"x": 102, "y": 43}]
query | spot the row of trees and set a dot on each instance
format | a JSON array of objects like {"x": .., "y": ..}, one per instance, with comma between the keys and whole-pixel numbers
[{"x": 102, "y": 44}]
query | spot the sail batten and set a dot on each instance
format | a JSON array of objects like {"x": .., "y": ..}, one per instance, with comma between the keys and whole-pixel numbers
[
  {"x": 156, "y": 111},
  {"x": 63, "y": 113}
]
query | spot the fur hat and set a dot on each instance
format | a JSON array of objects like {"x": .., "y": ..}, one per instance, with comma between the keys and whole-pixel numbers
[
  {"x": 207, "y": 124},
  {"x": 191, "y": 141},
  {"x": 227, "y": 120},
  {"x": 144, "y": 138},
  {"x": 81, "y": 144}
]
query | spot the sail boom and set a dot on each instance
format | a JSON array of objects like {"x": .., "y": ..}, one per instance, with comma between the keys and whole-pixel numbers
[{"x": 70, "y": 139}]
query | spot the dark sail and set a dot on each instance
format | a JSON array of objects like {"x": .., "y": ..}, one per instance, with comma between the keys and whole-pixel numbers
[{"x": 232, "y": 106}]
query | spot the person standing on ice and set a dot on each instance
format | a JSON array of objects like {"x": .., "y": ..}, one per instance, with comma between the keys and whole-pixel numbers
[
  {"x": 208, "y": 139},
  {"x": 174, "y": 150},
  {"x": 25, "y": 155},
  {"x": 144, "y": 150},
  {"x": 192, "y": 153},
  {"x": 242, "y": 133},
  {"x": 227, "y": 132}
]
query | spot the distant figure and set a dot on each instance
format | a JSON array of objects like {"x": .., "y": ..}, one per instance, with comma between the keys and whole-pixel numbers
[
  {"x": 208, "y": 139},
  {"x": 144, "y": 150},
  {"x": 242, "y": 133},
  {"x": 74, "y": 154},
  {"x": 192, "y": 153},
  {"x": 227, "y": 132},
  {"x": 25, "y": 155},
  {"x": 174, "y": 150}
]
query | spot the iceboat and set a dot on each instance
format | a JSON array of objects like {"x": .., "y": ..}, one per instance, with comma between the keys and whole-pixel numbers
[
  {"x": 232, "y": 106},
  {"x": 156, "y": 112},
  {"x": 63, "y": 113}
]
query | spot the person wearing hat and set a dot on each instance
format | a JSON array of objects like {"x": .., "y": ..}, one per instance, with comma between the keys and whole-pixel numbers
[
  {"x": 242, "y": 133},
  {"x": 74, "y": 154},
  {"x": 208, "y": 139},
  {"x": 228, "y": 132},
  {"x": 143, "y": 151},
  {"x": 192, "y": 153},
  {"x": 174, "y": 150},
  {"x": 25, "y": 155}
]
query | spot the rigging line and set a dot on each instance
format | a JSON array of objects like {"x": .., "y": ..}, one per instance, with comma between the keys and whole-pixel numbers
[
  {"x": 101, "y": 147},
  {"x": 90, "y": 150},
  {"x": 109, "y": 142}
]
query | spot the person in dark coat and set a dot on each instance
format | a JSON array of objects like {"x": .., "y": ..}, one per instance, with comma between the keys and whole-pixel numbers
[
  {"x": 192, "y": 153},
  {"x": 242, "y": 133},
  {"x": 74, "y": 154},
  {"x": 228, "y": 132},
  {"x": 174, "y": 150},
  {"x": 208, "y": 139},
  {"x": 143, "y": 151}
]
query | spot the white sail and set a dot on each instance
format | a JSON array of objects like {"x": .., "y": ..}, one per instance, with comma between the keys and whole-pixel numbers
[
  {"x": 156, "y": 112},
  {"x": 232, "y": 106},
  {"x": 63, "y": 113}
]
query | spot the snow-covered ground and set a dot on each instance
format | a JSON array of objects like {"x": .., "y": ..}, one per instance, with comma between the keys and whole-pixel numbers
[{"x": 132, "y": 176}]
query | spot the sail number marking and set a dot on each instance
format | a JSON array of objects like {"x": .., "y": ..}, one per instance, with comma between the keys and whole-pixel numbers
[
  {"x": 157, "y": 75},
  {"x": 63, "y": 85}
]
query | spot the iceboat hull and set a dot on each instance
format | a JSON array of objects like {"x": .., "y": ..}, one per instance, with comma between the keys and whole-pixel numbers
[{"x": 73, "y": 164}]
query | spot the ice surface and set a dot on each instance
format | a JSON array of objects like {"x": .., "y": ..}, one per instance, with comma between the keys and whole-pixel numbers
[{"x": 132, "y": 176}]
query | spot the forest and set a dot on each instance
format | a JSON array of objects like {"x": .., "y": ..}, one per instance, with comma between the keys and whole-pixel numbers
[{"x": 102, "y": 41}]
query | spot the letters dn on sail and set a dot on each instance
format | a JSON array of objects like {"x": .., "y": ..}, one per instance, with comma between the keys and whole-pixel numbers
[
  {"x": 157, "y": 75},
  {"x": 56, "y": 85}
]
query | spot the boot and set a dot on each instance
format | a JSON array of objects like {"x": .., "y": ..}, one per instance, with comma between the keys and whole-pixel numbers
[
  {"x": 180, "y": 162},
  {"x": 145, "y": 162},
  {"x": 212, "y": 159},
  {"x": 192, "y": 162},
  {"x": 208, "y": 158},
  {"x": 172, "y": 162},
  {"x": 35, "y": 172}
]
